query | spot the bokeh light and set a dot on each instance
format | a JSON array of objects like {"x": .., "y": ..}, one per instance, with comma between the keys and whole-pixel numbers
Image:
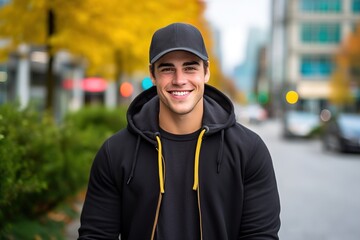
[
  {"x": 292, "y": 97},
  {"x": 126, "y": 89},
  {"x": 325, "y": 115},
  {"x": 146, "y": 83}
]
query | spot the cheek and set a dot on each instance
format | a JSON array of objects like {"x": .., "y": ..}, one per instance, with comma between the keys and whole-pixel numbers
[
  {"x": 160, "y": 85},
  {"x": 163, "y": 80},
  {"x": 200, "y": 79}
]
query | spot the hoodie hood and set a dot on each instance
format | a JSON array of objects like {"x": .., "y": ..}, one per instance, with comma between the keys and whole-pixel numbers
[
  {"x": 143, "y": 113},
  {"x": 143, "y": 120}
]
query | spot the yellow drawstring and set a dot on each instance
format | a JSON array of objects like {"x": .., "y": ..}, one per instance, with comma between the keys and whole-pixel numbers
[
  {"x": 196, "y": 162},
  {"x": 160, "y": 165}
]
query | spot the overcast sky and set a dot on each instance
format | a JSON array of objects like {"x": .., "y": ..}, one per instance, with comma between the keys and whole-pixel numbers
[{"x": 234, "y": 18}]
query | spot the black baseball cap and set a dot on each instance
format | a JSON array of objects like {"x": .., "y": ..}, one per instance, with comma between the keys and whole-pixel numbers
[{"x": 177, "y": 36}]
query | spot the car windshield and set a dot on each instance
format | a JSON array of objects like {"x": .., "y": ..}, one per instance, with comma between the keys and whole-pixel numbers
[
  {"x": 350, "y": 124},
  {"x": 304, "y": 117}
]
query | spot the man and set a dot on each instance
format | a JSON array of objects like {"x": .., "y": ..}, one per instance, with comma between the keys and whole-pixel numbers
[{"x": 183, "y": 168}]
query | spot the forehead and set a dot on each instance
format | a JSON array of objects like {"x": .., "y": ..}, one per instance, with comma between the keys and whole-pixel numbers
[{"x": 178, "y": 56}]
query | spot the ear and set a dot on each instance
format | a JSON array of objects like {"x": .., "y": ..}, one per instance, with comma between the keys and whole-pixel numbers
[
  {"x": 207, "y": 73},
  {"x": 153, "y": 80}
]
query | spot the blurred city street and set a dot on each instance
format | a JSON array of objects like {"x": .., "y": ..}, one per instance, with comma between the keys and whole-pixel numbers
[
  {"x": 319, "y": 190},
  {"x": 69, "y": 72}
]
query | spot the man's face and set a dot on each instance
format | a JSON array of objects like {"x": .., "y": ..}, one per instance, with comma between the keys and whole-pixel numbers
[{"x": 180, "y": 79}]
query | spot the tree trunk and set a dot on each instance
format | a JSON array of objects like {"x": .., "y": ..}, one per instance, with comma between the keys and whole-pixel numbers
[{"x": 50, "y": 79}]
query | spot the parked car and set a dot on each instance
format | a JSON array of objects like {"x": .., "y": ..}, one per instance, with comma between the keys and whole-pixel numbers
[
  {"x": 342, "y": 133},
  {"x": 300, "y": 124},
  {"x": 252, "y": 113}
]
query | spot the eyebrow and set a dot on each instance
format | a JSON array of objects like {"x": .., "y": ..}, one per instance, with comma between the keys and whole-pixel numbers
[
  {"x": 171, "y": 65},
  {"x": 165, "y": 65},
  {"x": 191, "y": 63}
]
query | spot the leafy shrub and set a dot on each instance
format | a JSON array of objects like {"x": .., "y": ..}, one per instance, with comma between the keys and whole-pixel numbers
[
  {"x": 42, "y": 163},
  {"x": 84, "y": 131},
  {"x": 28, "y": 152},
  {"x": 95, "y": 123}
]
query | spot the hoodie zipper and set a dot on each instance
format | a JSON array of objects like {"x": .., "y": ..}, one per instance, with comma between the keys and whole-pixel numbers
[
  {"x": 156, "y": 217},
  {"x": 196, "y": 185},
  {"x": 200, "y": 218},
  {"x": 158, "y": 212},
  {"x": 162, "y": 182},
  {"x": 159, "y": 202}
]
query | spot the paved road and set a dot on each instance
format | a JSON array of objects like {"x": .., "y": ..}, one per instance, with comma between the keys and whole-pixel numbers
[{"x": 319, "y": 191}]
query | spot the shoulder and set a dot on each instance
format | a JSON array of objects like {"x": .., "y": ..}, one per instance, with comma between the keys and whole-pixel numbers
[
  {"x": 117, "y": 145},
  {"x": 119, "y": 142},
  {"x": 252, "y": 148},
  {"x": 113, "y": 152},
  {"x": 119, "y": 137},
  {"x": 243, "y": 135}
]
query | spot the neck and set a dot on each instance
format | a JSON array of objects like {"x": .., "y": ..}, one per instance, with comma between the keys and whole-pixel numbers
[{"x": 180, "y": 124}]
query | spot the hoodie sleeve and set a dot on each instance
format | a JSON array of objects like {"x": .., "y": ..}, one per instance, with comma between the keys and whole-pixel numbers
[
  {"x": 261, "y": 208},
  {"x": 100, "y": 217}
]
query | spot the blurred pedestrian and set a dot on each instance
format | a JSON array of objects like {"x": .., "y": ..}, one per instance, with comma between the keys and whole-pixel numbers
[{"x": 183, "y": 168}]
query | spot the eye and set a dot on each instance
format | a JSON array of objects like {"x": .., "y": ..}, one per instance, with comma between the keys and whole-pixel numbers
[
  {"x": 190, "y": 68},
  {"x": 166, "y": 69}
]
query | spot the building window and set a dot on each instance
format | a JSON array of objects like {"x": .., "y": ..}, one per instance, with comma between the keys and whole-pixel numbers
[
  {"x": 316, "y": 66},
  {"x": 324, "y": 6},
  {"x": 356, "y": 6},
  {"x": 320, "y": 32}
]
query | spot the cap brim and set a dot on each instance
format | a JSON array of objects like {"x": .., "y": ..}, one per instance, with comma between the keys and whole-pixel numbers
[{"x": 157, "y": 57}]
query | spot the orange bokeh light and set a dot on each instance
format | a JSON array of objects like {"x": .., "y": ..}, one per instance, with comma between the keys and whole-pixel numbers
[{"x": 126, "y": 89}]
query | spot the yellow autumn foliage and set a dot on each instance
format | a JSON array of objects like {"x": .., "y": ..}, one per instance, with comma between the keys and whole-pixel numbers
[
  {"x": 340, "y": 88},
  {"x": 347, "y": 73},
  {"x": 112, "y": 36}
]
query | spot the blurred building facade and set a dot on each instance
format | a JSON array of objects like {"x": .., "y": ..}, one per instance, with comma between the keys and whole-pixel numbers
[
  {"x": 246, "y": 72},
  {"x": 261, "y": 86},
  {"x": 23, "y": 79},
  {"x": 305, "y": 35}
]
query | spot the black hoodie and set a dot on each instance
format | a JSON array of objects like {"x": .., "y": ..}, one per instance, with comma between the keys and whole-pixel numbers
[{"x": 234, "y": 177}]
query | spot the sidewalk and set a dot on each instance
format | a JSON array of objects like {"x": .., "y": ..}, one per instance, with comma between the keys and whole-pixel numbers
[{"x": 71, "y": 229}]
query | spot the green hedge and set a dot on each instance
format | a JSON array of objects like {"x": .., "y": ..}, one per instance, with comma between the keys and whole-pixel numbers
[{"x": 42, "y": 162}]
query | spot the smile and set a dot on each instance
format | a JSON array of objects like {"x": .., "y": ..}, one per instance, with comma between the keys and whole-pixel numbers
[{"x": 180, "y": 93}]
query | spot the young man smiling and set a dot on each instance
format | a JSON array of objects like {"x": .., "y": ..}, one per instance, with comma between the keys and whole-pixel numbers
[
  {"x": 180, "y": 79},
  {"x": 183, "y": 168}
]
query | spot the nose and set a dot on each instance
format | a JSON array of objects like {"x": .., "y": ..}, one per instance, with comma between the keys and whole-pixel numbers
[{"x": 179, "y": 78}]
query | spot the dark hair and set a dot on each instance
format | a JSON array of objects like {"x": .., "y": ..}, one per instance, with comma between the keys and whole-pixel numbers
[{"x": 152, "y": 67}]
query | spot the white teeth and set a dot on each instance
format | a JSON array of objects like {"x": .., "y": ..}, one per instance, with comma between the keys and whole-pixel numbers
[{"x": 179, "y": 93}]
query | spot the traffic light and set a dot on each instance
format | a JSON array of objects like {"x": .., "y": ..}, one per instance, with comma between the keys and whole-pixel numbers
[{"x": 263, "y": 97}]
